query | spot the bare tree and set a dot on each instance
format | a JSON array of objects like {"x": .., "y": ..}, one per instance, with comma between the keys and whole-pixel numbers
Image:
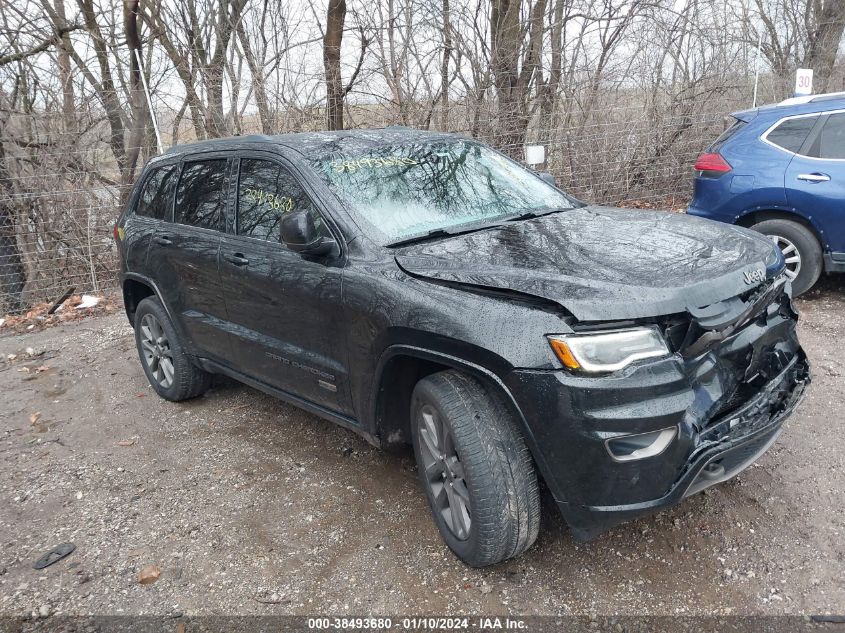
[{"x": 623, "y": 93}]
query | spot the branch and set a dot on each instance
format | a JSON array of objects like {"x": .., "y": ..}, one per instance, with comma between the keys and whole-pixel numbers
[
  {"x": 40, "y": 48},
  {"x": 364, "y": 43}
]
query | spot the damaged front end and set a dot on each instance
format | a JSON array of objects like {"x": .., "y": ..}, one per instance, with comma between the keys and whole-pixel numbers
[
  {"x": 748, "y": 373},
  {"x": 630, "y": 443}
]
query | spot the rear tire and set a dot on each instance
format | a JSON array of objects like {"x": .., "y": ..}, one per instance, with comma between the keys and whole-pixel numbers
[
  {"x": 170, "y": 370},
  {"x": 484, "y": 494},
  {"x": 796, "y": 241}
]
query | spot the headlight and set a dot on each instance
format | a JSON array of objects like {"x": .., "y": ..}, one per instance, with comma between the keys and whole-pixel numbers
[
  {"x": 775, "y": 262},
  {"x": 601, "y": 352}
]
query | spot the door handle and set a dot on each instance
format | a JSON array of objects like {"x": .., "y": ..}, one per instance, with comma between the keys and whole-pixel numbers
[
  {"x": 237, "y": 259},
  {"x": 814, "y": 177},
  {"x": 163, "y": 241}
]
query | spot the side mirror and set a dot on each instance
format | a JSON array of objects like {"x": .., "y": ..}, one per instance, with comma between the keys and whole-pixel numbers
[
  {"x": 300, "y": 235},
  {"x": 544, "y": 175}
]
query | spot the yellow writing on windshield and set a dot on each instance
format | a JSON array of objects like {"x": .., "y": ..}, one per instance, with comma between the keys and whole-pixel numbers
[
  {"x": 372, "y": 163},
  {"x": 272, "y": 200}
]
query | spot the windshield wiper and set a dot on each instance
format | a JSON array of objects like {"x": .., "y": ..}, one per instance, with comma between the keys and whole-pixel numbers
[
  {"x": 535, "y": 213},
  {"x": 421, "y": 236},
  {"x": 441, "y": 232},
  {"x": 477, "y": 226}
]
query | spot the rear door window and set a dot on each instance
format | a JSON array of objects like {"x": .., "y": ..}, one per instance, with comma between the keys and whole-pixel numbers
[
  {"x": 157, "y": 194},
  {"x": 790, "y": 134},
  {"x": 831, "y": 142},
  {"x": 266, "y": 193},
  {"x": 201, "y": 195}
]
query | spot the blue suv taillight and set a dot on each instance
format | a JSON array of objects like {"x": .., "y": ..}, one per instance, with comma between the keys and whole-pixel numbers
[{"x": 712, "y": 165}]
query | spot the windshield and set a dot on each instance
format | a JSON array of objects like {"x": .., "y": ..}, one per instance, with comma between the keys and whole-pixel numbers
[{"x": 403, "y": 191}]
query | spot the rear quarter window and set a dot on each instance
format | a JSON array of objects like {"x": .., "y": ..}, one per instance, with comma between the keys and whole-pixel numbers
[
  {"x": 157, "y": 193},
  {"x": 727, "y": 135},
  {"x": 790, "y": 134}
]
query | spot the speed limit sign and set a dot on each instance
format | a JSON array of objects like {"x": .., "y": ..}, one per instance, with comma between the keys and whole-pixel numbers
[{"x": 804, "y": 82}]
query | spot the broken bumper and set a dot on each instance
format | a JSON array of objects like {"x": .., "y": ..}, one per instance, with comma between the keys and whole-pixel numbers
[{"x": 718, "y": 434}]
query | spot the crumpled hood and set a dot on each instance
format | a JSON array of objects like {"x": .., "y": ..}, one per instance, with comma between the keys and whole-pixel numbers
[{"x": 603, "y": 263}]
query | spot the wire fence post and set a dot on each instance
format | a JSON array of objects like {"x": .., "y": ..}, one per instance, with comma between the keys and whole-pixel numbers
[
  {"x": 149, "y": 101},
  {"x": 757, "y": 67}
]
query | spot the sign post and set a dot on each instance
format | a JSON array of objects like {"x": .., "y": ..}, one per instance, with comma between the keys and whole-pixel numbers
[
  {"x": 535, "y": 155},
  {"x": 804, "y": 82}
]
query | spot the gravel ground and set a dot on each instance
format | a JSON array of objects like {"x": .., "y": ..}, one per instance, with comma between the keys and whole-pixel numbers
[{"x": 250, "y": 506}]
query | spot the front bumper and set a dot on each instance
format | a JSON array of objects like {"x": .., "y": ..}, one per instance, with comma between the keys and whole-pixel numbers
[
  {"x": 728, "y": 406},
  {"x": 727, "y": 447}
]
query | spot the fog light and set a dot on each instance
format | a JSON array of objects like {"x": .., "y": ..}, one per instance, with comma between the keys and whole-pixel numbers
[{"x": 628, "y": 448}]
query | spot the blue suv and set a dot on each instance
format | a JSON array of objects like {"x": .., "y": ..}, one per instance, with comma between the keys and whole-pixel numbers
[{"x": 780, "y": 170}]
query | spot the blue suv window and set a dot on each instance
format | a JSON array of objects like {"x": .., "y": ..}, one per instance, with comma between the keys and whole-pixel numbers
[
  {"x": 791, "y": 133},
  {"x": 832, "y": 138}
]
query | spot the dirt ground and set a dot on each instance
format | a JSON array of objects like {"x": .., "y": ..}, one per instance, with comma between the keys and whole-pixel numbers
[{"x": 250, "y": 506}]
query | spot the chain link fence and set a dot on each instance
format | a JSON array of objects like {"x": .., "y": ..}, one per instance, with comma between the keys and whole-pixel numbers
[{"x": 61, "y": 189}]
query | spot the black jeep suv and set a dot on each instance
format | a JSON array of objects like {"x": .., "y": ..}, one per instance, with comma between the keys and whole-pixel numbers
[{"x": 422, "y": 288}]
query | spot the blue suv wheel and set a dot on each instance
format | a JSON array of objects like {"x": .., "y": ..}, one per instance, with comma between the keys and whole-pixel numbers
[{"x": 801, "y": 251}]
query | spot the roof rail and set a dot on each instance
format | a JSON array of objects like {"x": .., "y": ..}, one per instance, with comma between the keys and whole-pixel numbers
[{"x": 812, "y": 98}]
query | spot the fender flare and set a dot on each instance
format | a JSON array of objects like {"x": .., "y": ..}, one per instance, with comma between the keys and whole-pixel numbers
[
  {"x": 149, "y": 282},
  {"x": 787, "y": 212},
  {"x": 484, "y": 373}
]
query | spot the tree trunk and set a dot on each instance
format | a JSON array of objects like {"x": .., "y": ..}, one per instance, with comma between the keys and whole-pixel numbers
[
  {"x": 257, "y": 72},
  {"x": 550, "y": 96},
  {"x": 151, "y": 14},
  {"x": 444, "y": 68},
  {"x": 12, "y": 270},
  {"x": 107, "y": 91},
  {"x": 506, "y": 41},
  {"x": 137, "y": 98},
  {"x": 335, "y": 18},
  {"x": 824, "y": 40},
  {"x": 228, "y": 17},
  {"x": 65, "y": 77}
]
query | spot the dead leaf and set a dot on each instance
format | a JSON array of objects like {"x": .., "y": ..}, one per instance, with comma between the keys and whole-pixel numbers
[
  {"x": 107, "y": 304},
  {"x": 126, "y": 442},
  {"x": 34, "y": 417},
  {"x": 149, "y": 574}
]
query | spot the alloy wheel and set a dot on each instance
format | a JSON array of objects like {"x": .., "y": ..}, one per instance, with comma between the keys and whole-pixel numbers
[
  {"x": 156, "y": 351},
  {"x": 444, "y": 473},
  {"x": 790, "y": 255}
]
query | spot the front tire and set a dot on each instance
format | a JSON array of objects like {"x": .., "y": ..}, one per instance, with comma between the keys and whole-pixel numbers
[
  {"x": 475, "y": 468},
  {"x": 800, "y": 248},
  {"x": 170, "y": 370}
]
